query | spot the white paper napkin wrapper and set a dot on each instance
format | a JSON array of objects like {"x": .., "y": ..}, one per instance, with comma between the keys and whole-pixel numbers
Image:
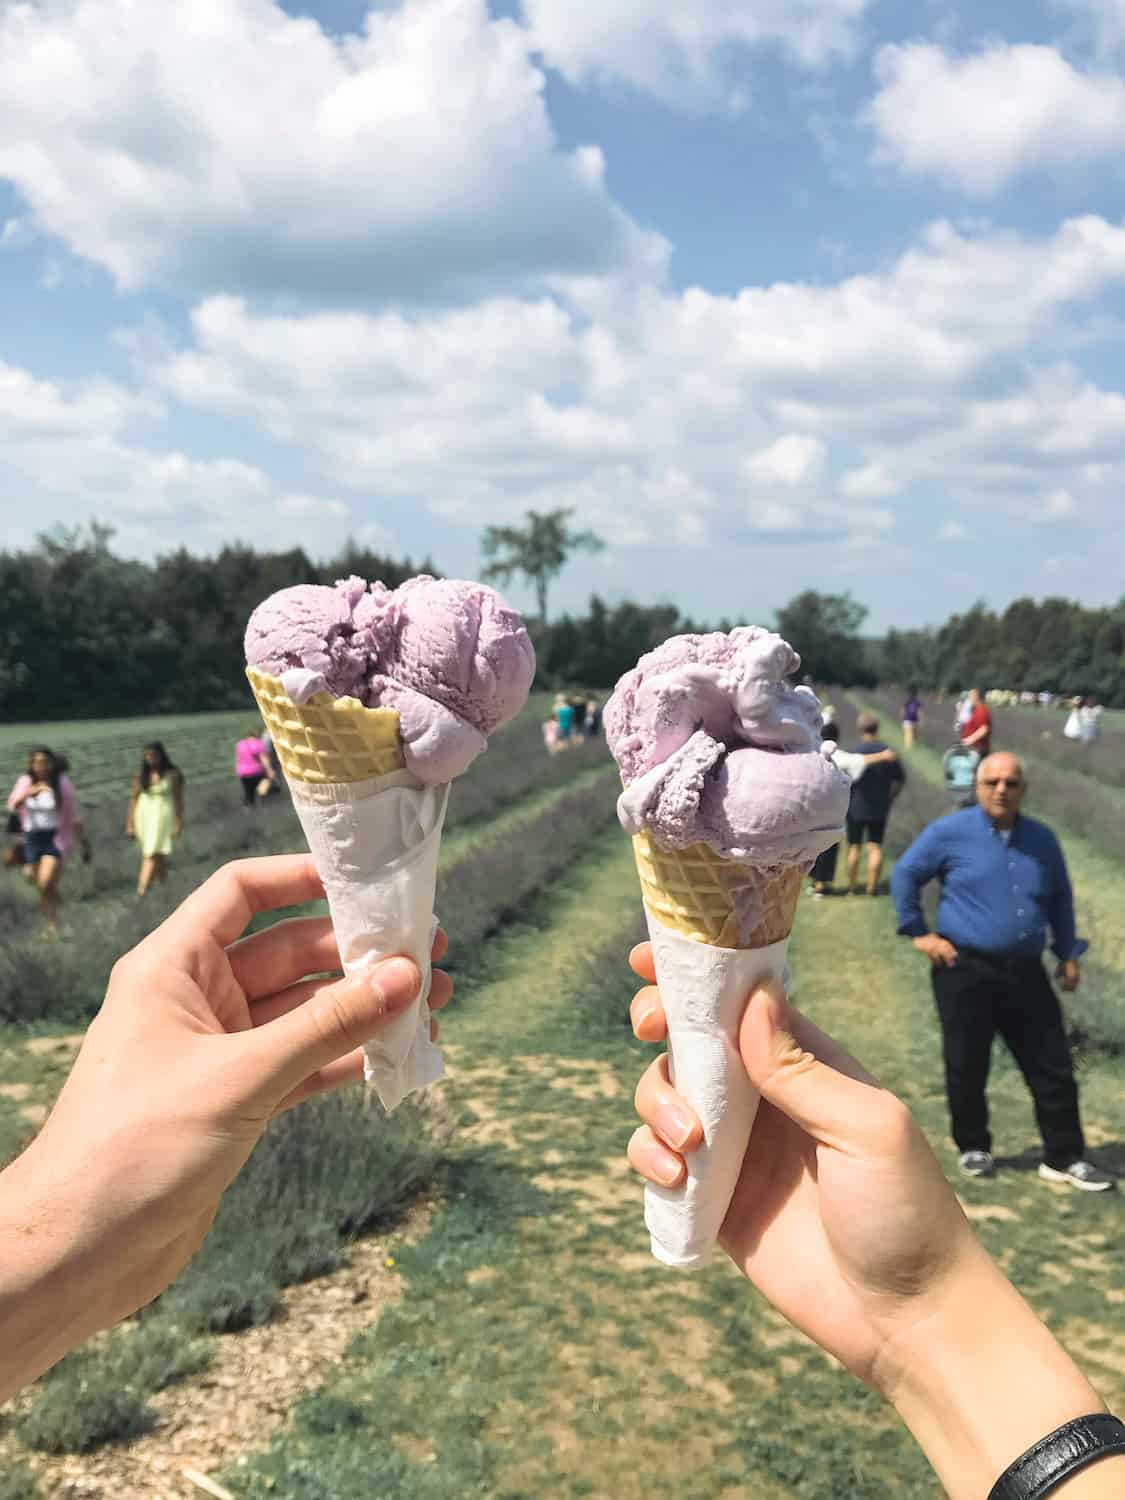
[
  {"x": 704, "y": 991},
  {"x": 376, "y": 846}
]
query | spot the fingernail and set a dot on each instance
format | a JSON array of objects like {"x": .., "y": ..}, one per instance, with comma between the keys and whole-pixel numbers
[
  {"x": 398, "y": 980},
  {"x": 645, "y": 1014},
  {"x": 673, "y": 1125},
  {"x": 666, "y": 1168}
]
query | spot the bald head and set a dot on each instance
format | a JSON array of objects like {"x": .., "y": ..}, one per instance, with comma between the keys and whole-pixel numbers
[{"x": 1000, "y": 787}]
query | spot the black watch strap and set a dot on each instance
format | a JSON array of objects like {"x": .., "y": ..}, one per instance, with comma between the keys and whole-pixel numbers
[{"x": 1059, "y": 1455}]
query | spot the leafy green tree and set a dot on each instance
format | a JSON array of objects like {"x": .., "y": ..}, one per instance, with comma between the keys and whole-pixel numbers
[
  {"x": 84, "y": 633},
  {"x": 825, "y": 628},
  {"x": 539, "y": 551}
]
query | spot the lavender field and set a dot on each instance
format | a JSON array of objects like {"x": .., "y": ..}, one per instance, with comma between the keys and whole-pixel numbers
[{"x": 390, "y": 1306}]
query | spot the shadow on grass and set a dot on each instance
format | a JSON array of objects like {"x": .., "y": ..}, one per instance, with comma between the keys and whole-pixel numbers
[{"x": 1110, "y": 1156}]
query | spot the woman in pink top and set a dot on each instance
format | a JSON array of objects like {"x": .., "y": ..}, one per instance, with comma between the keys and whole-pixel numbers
[
  {"x": 251, "y": 764},
  {"x": 48, "y": 811}
]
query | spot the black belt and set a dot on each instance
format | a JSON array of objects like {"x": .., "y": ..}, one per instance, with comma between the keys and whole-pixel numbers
[{"x": 999, "y": 960}]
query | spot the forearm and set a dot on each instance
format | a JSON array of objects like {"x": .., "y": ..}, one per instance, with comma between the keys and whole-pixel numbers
[
  {"x": 906, "y": 894},
  {"x": 47, "y": 1298},
  {"x": 982, "y": 1380}
]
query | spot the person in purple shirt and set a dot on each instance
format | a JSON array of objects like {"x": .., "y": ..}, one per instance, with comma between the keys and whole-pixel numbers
[
  {"x": 911, "y": 717},
  {"x": 1004, "y": 885}
]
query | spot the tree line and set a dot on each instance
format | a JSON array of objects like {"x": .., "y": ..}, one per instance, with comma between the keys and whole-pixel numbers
[
  {"x": 1052, "y": 646},
  {"x": 87, "y": 634}
]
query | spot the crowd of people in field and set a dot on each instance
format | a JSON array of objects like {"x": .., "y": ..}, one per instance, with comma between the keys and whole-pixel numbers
[
  {"x": 1004, "y": 893},
  {"x": 573, "y": 720},
  {"x": 45, "y": 824}
]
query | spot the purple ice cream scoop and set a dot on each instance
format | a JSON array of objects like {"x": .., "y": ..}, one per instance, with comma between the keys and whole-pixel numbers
[
  {"x": 716, "y": 746},
  {"x": 312, "y": 630},
  {"x": 461, "y": 645},
  {"x": 450, "y": 657}
]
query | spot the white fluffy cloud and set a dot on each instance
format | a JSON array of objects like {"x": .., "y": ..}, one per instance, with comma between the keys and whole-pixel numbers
[
  {"x": 792, "y": 410},
  {"x": 225, "y": 145},
  {"x": 70, "y": 446},
  {"x": 980, "y": 121},
  {"x": 791, "y": 460},
  {"x": 40, "y": 410},
  {"x": 684, "y": 52}
]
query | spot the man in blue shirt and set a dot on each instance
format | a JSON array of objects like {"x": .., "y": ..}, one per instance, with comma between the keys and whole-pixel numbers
[
  {"x": 1003, "y": 884},
  {"x": 871, "y": 803}
]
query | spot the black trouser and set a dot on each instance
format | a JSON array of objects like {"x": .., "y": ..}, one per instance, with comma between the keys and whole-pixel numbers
[
  {"x": 250, "y": 789},
  {"x": 824, "y": 871},
  {"x": 988, "y": 993}
]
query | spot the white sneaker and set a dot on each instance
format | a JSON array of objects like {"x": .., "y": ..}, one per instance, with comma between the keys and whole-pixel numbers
[
  {"x": 1080, "y": 1174},
  {"x": 977, "y": 1164}
]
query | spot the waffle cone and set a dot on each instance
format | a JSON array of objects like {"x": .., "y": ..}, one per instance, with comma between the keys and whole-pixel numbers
[
  {"x": 328, "y": 741},
  {"x": 692, "y": 891}
]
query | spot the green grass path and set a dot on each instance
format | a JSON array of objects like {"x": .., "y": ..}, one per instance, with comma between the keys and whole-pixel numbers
[{"x": 539, "y": 1350}]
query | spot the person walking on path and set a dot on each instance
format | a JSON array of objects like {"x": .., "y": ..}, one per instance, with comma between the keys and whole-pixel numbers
[
  {"x": 1004, "y": 883},
  {"x": 1089, "y": 720},
  {"x": 911, "y": 718},
  {"x": 976, "y": 729},
  {"x": 252, "y": 766},
  {"x": 823, "y": 872},
  {"x": 564, "y": 718},
  {"x": 870, "y": 806},
  {"x": 156, "y": 812},
  {"x": 51, "y": 820}
]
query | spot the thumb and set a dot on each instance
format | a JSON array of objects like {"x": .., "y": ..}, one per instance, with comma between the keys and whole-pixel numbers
[
  {"x": 335, "y": 1021},
  {"x": 809, "y": 1077}
]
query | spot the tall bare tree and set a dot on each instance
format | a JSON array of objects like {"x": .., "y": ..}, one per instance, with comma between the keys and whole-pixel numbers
[{"x": 539, "y": 551}]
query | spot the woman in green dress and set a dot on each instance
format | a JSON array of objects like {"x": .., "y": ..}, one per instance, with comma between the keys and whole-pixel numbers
[{"x": 156, "y": 813}]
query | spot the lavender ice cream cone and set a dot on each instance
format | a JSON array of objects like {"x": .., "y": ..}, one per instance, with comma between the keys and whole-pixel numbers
[
  {"x": 376, "y": 700},
  {"x": 729, "y": 800}
]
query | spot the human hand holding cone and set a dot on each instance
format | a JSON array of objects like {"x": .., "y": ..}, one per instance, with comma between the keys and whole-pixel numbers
[
  {"x": 374, "y": 831},
  {"x": 729, "y": 800},
  {"x": 375, "y": 700},
  {"x": 688, "y": 896}
]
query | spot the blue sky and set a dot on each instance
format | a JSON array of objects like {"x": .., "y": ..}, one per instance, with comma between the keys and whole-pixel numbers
[{"x": 775, "y": 294}]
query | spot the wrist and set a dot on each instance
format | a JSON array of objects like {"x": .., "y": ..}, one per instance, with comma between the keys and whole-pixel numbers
[
  {"x": 67, "y": 1248},
  {"x": 45, "y": 1306},
  {"x": 980, "y": 1379}
]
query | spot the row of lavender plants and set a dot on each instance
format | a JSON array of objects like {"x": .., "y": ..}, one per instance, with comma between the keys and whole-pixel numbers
[
  {"x": 1039, "y": 734},
  {"x": 64, "y": 980}
]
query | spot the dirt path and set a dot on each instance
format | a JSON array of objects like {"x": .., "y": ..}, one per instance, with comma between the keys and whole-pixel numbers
[{"x": 244, "y": 1397}]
